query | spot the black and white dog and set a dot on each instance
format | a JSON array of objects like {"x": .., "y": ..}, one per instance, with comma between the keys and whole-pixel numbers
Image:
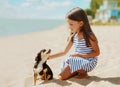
[{"x": 41, "y": 69}]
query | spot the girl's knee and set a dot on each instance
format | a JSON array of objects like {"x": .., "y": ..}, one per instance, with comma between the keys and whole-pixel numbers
[
  {"x": 60, "y": 77},
  {"x": 65, "y": 74}
]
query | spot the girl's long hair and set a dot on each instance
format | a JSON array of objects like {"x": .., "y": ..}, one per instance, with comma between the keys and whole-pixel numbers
[{"x": 78, "y": 14}]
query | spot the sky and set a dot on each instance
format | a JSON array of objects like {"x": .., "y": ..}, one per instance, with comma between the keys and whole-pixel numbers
[{"x": 45, "y": 9}]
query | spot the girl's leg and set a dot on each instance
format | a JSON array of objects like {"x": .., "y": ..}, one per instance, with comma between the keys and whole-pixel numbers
[
  {"x": 81, "y": 74},
  {"x": 66, "y": 74}
]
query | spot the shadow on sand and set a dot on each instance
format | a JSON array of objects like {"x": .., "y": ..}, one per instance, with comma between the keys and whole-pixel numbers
[
  {"x": 58, "y": 82},
  {"x": 29, "y": 82},
  {"x": 85, "y": 82}
]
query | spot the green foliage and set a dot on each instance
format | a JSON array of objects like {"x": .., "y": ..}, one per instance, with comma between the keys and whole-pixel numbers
[
  {"x": 94, "y": 5},
  {"x": 118, "y": 1},
  {"x": 89, "y": 12}
]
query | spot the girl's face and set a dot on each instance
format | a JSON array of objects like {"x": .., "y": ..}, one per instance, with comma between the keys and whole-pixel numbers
[{"x": 74, "y": 25}]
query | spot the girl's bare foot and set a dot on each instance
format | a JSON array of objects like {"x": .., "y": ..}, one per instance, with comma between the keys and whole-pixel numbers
[{"x": 81, "y": 76}]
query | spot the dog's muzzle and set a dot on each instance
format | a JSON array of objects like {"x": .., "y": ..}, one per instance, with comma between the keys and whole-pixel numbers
[{"x": 49, "y": 51}]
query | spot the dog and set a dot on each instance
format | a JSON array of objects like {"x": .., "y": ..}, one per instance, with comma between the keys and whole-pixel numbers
[{"x": 41, "y": 69}]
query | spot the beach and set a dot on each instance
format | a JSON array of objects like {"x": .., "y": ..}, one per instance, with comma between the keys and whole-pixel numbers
[{"x": 17, "y": 55}]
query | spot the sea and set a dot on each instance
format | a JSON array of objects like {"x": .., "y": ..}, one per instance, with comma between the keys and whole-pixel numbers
[{"x": 10, "y": 27}]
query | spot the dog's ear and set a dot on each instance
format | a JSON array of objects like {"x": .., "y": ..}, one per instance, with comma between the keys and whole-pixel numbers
[
  {"x": 36, "y": 58},
  {"x": 39, "y": 56},
  {"x": 35, "y": 66}
]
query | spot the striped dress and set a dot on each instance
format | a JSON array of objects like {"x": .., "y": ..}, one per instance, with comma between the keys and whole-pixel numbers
[{"x": 77, "y": 63}]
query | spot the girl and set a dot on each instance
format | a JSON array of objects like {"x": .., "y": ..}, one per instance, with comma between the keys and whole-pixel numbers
[{"x": 86, "y": 47}]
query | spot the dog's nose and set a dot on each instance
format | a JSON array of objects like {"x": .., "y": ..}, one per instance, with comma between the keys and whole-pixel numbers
[{"x": 49, "y": 51}]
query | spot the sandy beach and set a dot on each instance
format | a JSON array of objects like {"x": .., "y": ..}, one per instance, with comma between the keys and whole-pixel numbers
[{"x": 17, "y": 55}]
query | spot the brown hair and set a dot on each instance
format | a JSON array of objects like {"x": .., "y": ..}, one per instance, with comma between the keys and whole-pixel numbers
[{"x": 78, "y": 14}]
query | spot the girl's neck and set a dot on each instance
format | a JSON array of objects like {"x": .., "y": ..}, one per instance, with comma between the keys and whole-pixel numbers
[{"x": 80, "y": 35}]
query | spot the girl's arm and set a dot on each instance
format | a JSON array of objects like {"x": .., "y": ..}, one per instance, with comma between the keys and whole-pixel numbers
[
  {"x": 95, "y": 51},
  {"x": 65, "y": 51}
]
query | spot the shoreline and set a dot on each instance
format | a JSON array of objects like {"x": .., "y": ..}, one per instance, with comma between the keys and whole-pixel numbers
[
  {"x": 29, "y": 32},
  {"x": 22, "y": 26},
  {"x": 44, "y": 30},
  {"x": 18, "y": 53}
]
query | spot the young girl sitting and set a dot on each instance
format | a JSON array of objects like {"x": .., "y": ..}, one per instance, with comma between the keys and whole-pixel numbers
[{"x": 86, "y": 47}]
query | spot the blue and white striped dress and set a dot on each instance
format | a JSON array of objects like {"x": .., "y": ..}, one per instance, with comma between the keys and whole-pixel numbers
[{"x": 77, "y": 63}]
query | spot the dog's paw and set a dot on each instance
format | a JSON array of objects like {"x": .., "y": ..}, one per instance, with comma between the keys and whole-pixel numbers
[{"x": 33, "y": 85}]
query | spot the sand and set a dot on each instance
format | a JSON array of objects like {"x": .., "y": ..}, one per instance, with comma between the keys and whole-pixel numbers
[{"x": 17, "y": 55}]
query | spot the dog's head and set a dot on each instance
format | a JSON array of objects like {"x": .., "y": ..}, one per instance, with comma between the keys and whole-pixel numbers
[
  {"x": 43, "y": 54},
  {"x": 42, "y": 57}
]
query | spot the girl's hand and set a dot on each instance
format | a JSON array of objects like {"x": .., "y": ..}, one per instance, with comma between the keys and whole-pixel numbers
[
  {"x": 75, "y": 55},
  {"x": 78, "y": 55},
  {"x": 49, "y": 57}
]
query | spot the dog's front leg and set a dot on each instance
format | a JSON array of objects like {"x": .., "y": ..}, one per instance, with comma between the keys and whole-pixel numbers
[
  {"x": 47, "y": 78},
  {"x": 35, "y": 78},
  {"x": 44, "y": 71}
]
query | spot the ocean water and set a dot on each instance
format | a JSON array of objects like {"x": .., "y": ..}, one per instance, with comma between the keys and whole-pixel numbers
[{"x": 10, "y": 27}]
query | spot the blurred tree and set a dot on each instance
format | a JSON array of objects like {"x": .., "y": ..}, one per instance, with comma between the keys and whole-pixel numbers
[
  {"x": 89, "y": 12},
  {"x": 94, "y": 5},
  {"x": 118, "y": 1}
]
